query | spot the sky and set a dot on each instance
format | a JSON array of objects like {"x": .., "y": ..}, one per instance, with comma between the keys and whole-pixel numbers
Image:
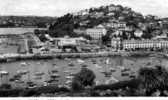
[{"x": 61, "y": 7}]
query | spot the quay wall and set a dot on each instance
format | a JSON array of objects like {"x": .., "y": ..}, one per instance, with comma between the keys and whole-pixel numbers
[{"x": 70, "y": 55}]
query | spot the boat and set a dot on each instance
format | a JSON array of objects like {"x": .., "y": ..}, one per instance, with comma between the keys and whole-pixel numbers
[
  {"x": 39, "y": 73},
  {"x": 71, "y": 64},
  {"x": 97, "y": 66},
  {"x": 112, "y": 69},
  {"x": 23, "y": 64},
  {"x": 54, "y": 75},
  {"x": 2, "y": 72},
  {"x": 112, "y": 80},
  {"x": 84, "y": 66},
  {"x": 69, "y": 77},
  {"x": 107, "y": 74},
  {"x": 54, "y": 71},
  {"x": 102, "y": 71},
  {"x": 94, "y": 61},
  {"x": 68, "y": 82},
  {"x": 126, "y": 70},
  {"x": 72, "y": 74},
  {"x": 38, "y": 78},
  {"x": 124, "y": 74},
  {"x": 80, "y": 61},
  {"x": 121, "y": 67},
  {"x": 22, "y": 72},
  {"x": 54, "y": 64},
  {"x": 38, "y": 63},
  {"x": 107, "y": 61},
  {"x": 97, "y": 83},
  {"x": 67, "y": 71}
]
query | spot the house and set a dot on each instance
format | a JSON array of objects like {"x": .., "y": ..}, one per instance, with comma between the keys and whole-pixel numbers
[
  {"x": 79, "y": 31},
  {"x": 114, "y": 8},
  {"x": 116, "y": 24},
  {"x": 67, "y": 41},
  {"x": 111, "y": 14},
  {"x": 138, "y": 33},
  {"x": 96, "y": 33}
]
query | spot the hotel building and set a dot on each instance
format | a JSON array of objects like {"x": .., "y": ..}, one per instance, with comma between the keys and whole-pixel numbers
[{"x": 139, "y": 44}]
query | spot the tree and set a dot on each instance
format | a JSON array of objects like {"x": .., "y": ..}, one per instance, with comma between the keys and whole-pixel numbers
[
  {"x": 153, "y": 79},
  {"x": 82, "y": 79}
]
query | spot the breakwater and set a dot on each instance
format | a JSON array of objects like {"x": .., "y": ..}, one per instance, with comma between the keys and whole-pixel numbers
[{"x": 8, "y": 57}]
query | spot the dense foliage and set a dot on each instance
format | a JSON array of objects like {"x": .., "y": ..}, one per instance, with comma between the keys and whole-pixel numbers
[
  {"x": 83, "y": 79},
  {"x": 25, "y": 21}
]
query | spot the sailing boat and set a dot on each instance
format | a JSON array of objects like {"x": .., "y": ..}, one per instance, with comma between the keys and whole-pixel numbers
[
  {"x": 107, "y": 61},
  {"x": 107, "y": 73}
]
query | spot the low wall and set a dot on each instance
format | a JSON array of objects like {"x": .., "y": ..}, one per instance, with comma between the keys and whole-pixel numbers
[{"x": 70, "y": 55}]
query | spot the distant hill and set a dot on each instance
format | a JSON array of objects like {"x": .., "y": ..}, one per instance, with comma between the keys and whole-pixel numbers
[
  {"x": 26, "y": 21},
  {"x": 88, "y": 18},
  {"x": 94, "y": 16}
]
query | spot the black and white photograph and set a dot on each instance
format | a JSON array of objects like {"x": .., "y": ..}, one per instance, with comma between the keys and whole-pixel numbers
[{"x": 83, "y": 48}]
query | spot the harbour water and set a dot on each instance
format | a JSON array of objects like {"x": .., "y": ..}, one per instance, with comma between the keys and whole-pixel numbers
[
  {"x": 39, "y": 71},
  {"x": 18, "y": 30}
]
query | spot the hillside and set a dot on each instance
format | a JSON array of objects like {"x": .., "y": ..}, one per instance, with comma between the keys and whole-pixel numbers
[
  {"x": 107, "y": 15},
  {"x": 89, "y": 18},
  {"x": 25, "y": 21}
]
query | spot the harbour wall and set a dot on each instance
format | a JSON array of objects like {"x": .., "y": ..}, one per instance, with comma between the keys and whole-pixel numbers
[{"x": 9, "y": 57}]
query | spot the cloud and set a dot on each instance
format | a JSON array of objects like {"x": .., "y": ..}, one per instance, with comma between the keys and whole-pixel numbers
[{"x": 60, "y": 7}]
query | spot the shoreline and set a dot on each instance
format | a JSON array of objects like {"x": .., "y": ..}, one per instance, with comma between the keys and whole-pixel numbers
[{"x": 16, "y": 57}]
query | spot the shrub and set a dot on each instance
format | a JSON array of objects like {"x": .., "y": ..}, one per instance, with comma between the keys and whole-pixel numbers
[
  {"x": 10, "y": 93},
  {"x": 30, "y": 92},
  {"x": 119, "y": 85},
  {"x": 5, "y": 86},
  {"x": 153, "y": 78},
  {"x": 82, "y": 79}
]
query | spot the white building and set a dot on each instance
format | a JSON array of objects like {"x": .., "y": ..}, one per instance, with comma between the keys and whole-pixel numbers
[
  {"x": 139, "y": 44},
  {"x": 96, "y": 33},
  {"x": 68, "y": 41}
]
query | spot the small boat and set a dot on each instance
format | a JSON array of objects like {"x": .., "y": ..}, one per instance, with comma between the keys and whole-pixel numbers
[
  {"x": 39, "y": 73},
  {"x": 124, "y": 74},
  {"x": 112, "y": 80},
  {"x": 2, "y": 72},
  {"x": 107, "y": 61},
  {"x": 121, "y": 67},
  {"x": 52, "y": 81},
  {"x": 54, "y": 64},
  {"x": 38, "y": 78},
  {"x": 84, "y": 66},
  {"x": 125, "y": 70},
  {"x": 67, "y": 59},
  {"x": 38, "y": 63},
  {"x": 69, "y": 77},
  {"x": 97, "y": 66},
  {"x": 97, "y": 83},
  {"x": 72, "y": 74},
  {"x": 19, "y": 81},
  {"x": 107, "y": 74},
  {"x": 112, "y": 69},
  {"x": 132, "y": 76},
  {"x": 23, "y": 64},
  {"x": 68, "y": 82},
  {"x": 54, "y": 71},
  {"x": 22, "y": 72},
  {"x": 67, "y": 71},
  {"x": 71, "y": 64},
  {"x": 54, "y": 75},
  {"x": 80, "y": 61},
  {"x": 102, "y": 71}
]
